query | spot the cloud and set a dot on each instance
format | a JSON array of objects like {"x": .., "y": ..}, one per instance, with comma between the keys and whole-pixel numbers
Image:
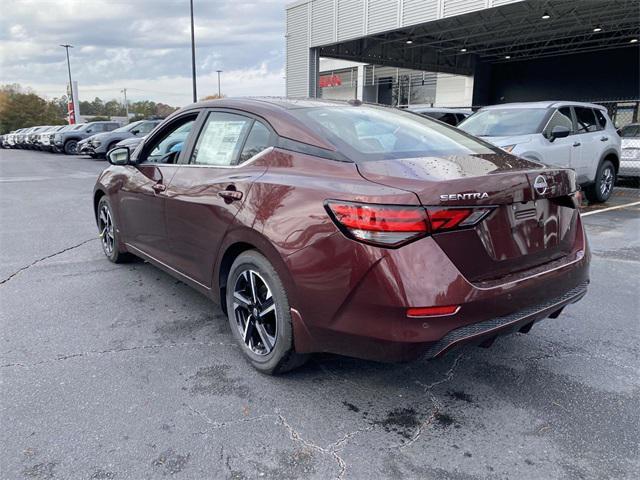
[{"x": 144, "y": 46}]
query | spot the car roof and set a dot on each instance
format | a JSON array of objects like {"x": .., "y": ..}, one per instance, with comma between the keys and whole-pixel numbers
[
  {"x": 426, "y": 108},
  {"x": 277, "y": 111},
  {"x": 543, "y": 104}
]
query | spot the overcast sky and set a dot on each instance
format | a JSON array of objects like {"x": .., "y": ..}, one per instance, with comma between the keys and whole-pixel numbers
[{"x": 144, "y": 45}]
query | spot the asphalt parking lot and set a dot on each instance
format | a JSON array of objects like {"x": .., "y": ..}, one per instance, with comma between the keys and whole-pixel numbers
[{"x": 121, "y": 372}]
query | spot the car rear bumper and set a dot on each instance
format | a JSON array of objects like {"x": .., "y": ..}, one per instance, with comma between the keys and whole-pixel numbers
[{"x": 370, "y": 319}]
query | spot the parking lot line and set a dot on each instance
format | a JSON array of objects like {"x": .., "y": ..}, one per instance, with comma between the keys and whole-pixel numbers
[{"x": 611, "y": 208}]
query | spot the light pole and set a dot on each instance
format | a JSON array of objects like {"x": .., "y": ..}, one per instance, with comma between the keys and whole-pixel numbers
[
  {"x": 219, "y": 72},
  {"x": 126, "y": 103},
  {"x": 67, "y": 47},
  {"x": 193, "y": 55}
]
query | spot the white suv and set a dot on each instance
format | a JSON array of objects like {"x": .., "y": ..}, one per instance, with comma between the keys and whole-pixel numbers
[{"x": 567, "y": 134}]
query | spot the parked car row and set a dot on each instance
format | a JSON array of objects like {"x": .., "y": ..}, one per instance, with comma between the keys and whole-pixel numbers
[{"x": 91, "y": 138}]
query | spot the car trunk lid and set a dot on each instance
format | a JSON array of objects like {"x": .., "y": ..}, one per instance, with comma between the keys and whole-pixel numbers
[{"x": 533, "y": 217}]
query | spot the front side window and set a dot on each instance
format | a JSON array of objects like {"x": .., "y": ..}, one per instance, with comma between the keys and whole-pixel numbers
[
  {"x": 586, "y": 120},
  {"x": 221, "y": 139},
  {"x": 377, "y": 133},
  {"x": 561, "y": 117},
  {"x": 145, "y": 127},
  {"x": 167, "y": 147},
  {"x": 505, "y": 122}
]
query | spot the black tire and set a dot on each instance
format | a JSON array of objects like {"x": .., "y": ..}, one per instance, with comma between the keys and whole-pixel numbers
[
  {"x": 71, "y": 147},
  {"x": 109, "y": 236},
  {"x": 281, "y": 357},
  {"x": 111, "y": 146},
  {"x": 601, "y": 189}
]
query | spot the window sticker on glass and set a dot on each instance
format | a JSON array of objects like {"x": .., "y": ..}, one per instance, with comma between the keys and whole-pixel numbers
[{"x": 219, "y": 141}]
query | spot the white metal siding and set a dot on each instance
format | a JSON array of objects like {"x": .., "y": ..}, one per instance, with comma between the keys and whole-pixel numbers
[
  {"x": 419, "y": 11},
  {"x": 458, "y": 7},
  {"x": 497, "y": 3},
  {"x": 322, "y": 22},
  {"x": 350, "y": 19},
  {"x": 298, "y": 51},
  {"x": 382, "y": 15}
]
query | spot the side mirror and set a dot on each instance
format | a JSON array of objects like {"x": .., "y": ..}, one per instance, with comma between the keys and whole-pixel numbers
[
  {"x": 559, "y": 131},
  {"x": 119, "y": 156}
]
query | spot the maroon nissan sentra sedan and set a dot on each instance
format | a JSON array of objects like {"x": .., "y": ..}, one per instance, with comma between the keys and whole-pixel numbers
[{"x": 346, "y": 228}]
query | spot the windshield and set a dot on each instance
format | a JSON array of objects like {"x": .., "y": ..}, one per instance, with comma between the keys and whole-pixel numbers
[
  {"x": 630, "y": 131},
  {"x": 129, "y": 127},
  {"x": 378, "y": 133},
  {"x": 505, "y": 122},
  {"x": 80, "y": 126}
]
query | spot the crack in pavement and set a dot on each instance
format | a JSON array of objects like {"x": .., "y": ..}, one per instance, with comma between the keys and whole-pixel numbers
[
  {"x": 35, "y": 262},
  {"x": 331, "y": 450},
  {"x": 98, "y": 353},
  {"x": 217, "y": 425},
  {"x": 436, "y": 405}
]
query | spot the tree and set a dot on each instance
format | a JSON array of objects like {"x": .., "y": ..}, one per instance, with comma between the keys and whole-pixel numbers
[{"x": 21, "y": 108}]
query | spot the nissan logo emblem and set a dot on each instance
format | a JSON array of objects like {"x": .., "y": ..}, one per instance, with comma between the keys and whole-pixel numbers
[{"x": 540, "y": 184}]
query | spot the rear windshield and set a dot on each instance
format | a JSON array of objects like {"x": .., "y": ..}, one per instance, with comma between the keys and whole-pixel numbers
[
  {"x": 505, "y": 122},
  {"x": 377, "y": 133}
]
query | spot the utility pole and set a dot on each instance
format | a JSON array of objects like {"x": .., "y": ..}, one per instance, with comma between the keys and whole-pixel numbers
[
  {"x": 126, "y": 103},
  {"x": 219, "y": 94},
  {"x": 73, "y": 105},
  {"x": 193, "y": 55}
]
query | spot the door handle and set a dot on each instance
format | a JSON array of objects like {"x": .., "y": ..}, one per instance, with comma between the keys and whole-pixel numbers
[
  {"x": 576, "y": 144},
  {"x": 604, "y": 139},
  {"x": 159, "y": 187},
  {"x": 230, "y": 195}
]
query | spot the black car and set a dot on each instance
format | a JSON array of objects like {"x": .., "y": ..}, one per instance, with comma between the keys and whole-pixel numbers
[
  {"x": 67, "y": 141},
  {"x": 99, "y": 144}
]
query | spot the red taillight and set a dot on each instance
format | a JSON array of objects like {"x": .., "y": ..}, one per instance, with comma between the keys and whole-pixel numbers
[
  {"x": 385, "y": 225},
  {"x": 432, "y": 311},
  {"x": 450, "y": 218},
  {"x": 392, "y": 226}
]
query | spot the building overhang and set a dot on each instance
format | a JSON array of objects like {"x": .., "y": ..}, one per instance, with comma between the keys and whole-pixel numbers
[{"x": 512, "y": 32}]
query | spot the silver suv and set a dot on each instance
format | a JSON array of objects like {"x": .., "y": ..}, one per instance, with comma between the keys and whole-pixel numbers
[{"x": 577, "y": 135}]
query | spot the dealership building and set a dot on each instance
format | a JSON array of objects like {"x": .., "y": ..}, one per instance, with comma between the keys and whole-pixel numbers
[{"x": 464, "y": 52}]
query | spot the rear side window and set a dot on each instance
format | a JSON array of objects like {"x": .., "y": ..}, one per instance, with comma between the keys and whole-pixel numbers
[
  {"x": 586, "y": 120},
  {"x": 221, "y": 139},
  {"x": 257, "y": 141},
  {"x": 602, "y": 120}
]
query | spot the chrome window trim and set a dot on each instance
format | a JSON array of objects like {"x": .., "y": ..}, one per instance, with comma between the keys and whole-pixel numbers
[{"x": 191, "y": 165}]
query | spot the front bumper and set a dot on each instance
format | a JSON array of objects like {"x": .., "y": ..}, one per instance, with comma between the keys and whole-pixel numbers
[{"x": 86, "y": 149}]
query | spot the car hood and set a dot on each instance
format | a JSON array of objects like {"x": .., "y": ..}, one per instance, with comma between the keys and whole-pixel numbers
[
  {"x": 630, "y": 142},
  {"x": 508, "y": 140}
]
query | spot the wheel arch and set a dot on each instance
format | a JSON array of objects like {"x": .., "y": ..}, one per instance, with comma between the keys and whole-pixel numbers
[
  {"x": 235, "y": 243},
  {"x": 612, "y": 155},
  {"x": 97, "y": 195}
]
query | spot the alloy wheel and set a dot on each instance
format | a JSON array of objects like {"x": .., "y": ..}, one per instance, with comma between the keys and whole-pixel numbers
[
  {"x": 606, "y": 182},
  {"x": 255, "y": 312},
  {"x": 105, "y": 225}
]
